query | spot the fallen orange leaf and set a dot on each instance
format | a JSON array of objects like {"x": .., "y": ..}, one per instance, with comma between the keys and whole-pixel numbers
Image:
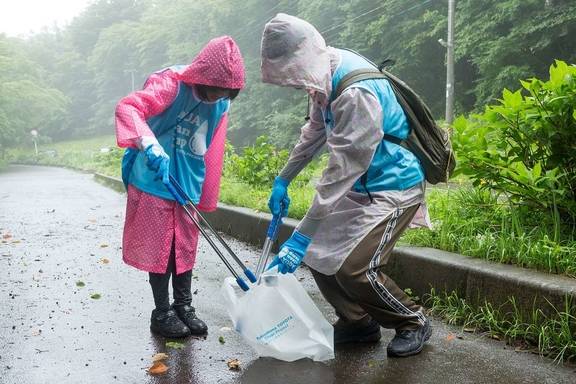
[
  {"x": 7, "y": 236},
  {"x": 158, "y": 368},
  {"x": 450, "y": 337},
  {"x": 104, "y": 261}
]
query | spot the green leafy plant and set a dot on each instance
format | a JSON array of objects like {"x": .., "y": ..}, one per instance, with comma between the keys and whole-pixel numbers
[
  {"x": 524, "y": 146},
  {"x": 259, "y": 164}
]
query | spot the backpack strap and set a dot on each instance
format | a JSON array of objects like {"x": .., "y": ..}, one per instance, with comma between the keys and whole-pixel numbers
[
  {"x": 358, "y": 75},
  {"x": 351, "y": 78},
  {"x": 366, "y": 74}
]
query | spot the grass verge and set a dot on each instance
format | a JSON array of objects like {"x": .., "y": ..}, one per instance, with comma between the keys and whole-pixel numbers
[{"x": 553, "y": 336}]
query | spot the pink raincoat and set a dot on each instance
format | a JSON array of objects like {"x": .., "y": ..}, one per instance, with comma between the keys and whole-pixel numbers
[{"x": 152, "y": 223}]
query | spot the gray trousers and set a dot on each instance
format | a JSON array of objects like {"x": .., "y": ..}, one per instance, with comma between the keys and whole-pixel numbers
[{"x": 360, "y": 290}]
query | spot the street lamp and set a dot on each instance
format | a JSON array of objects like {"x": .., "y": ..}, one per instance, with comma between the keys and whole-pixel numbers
[
  {"x": 131, "y": 71},
  {"x": 34, "y": 134}
]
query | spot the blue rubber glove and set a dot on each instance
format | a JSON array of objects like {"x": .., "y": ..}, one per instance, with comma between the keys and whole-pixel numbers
[
  {"x": 279, "y": 200},
  {"x": 291, "y": 253},
  {"x": 158, "y": 161}
]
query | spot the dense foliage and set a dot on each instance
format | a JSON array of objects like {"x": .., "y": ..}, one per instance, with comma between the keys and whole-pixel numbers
[
  {"x": 64, "y": 83},
  {"x": 524, "y": 146}
]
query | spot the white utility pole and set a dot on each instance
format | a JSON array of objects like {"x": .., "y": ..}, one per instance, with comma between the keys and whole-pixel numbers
[{"x": 450, "y": 64}]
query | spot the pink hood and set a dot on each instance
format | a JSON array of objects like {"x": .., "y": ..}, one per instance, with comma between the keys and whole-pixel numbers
[{"x": 219, "y": 64}]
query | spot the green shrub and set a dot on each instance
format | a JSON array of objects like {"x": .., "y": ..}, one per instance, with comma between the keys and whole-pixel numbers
[
  {"x": 258, "y": 165},
  {"x": 524, "y": 146}
]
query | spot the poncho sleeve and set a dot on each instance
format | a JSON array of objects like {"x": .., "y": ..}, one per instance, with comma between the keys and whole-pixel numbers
[
  {"x": 132, "y": 111},
  {"x": 214, "y": 160}
]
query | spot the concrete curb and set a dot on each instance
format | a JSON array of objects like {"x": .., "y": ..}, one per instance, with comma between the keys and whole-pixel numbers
[{"x": 421, "y": 269}]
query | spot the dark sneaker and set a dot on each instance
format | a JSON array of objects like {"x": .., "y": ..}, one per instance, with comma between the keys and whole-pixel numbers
[
  {"x": 356, "y": 332},
  {"x": 408, "y": 343},
  {"x": 167, "y": 324},
  {"x": 187, "y": 314}
]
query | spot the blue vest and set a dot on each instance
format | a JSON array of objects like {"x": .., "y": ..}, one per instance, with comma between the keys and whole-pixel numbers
[
  {"x": 393, "y": 167},
  {"x": 185, "y": 131}
]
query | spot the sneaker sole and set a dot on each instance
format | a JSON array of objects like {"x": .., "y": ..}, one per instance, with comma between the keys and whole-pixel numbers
[
  {"x": 169, "y": 335},
  {"x": 417, "y": 350},
  {"x": 371, "y": 338}
]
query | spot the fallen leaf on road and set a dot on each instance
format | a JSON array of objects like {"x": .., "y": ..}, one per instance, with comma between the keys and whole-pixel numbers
[
  {"x": 80, "y": 284},
  {"x": 450, "y": 337},
  {"x": 221, "y": 340},
  {"x": 105, "y": 261},
  {"x": 174, "y": 344},
  {"x": 6, "y": 236},
  {"x": 233, "y": 364},
  {"x": 158, "y": 368},
  {"x": 95, "y": 296},
  {"x": 103, "y": 245},
  {"x": 16, "y": 241},
  {"x": 159, "y": 357},
  {"x": 372, "y": 363}
]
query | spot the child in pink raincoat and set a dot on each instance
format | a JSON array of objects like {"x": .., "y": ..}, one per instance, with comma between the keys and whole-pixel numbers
[{"x": 176, "y": 125}]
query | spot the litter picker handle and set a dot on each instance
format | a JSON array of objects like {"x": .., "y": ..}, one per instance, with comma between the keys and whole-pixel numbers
[
  {"x": 181, "y": 200},
  {"x": 274, "y": 226}
]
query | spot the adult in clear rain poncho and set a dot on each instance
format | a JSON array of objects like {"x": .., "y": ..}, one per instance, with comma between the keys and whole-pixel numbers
[
  {"x": 176, "y": 125},
  {"x": 369, "y": 193}
]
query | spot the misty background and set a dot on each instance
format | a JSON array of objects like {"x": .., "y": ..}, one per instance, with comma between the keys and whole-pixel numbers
[{"x": 64, "y": 82}]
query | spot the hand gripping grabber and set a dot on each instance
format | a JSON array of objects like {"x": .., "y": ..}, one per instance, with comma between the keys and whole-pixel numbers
[{"x": 185, "y": 201}]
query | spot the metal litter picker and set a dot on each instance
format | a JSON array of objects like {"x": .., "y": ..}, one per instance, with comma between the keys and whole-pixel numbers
[
  {"x": 186, "y": 203},
  {"x": 271, "y": 236}
]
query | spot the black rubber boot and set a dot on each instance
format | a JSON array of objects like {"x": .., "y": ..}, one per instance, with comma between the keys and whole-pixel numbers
[
  {"x": 408, "y": 343},
  {"x": 356, "y": 332},
  {"x": 166, "y": 323},
  {"x": 187, "y": 314}
]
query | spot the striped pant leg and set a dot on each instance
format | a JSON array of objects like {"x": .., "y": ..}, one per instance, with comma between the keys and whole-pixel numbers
[
  {"x": 346, "y": 307},
  {"x": 362, "y": 279}
]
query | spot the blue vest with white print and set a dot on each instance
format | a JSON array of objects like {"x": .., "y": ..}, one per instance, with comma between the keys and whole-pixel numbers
[
  {"x": 393, "y": 167},
  {"x": 185, "y": 130}
]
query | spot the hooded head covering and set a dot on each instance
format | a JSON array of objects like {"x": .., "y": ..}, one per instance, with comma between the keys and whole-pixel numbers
[
  {"x": 294, "y": 54},
  {"x": 219, "y": 64}
]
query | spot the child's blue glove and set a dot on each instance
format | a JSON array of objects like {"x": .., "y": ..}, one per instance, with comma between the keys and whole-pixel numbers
[
  {"x": 279, "y": 200},
  {"x": 291, "y": 253},
  {"x": 158, "y": 161}
]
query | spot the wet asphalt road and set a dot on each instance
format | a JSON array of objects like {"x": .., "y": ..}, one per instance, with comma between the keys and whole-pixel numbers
[{"x": 59, "y": 228}]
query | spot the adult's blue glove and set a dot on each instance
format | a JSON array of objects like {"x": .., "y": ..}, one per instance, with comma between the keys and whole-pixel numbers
[
  {"x": 279, "y": 200},
  {"x": 291, "y": 253},
  {"x": 158, "y": 161}
]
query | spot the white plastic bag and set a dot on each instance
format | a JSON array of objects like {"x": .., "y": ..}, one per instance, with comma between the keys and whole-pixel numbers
[{"x": 278, "y": 319}]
